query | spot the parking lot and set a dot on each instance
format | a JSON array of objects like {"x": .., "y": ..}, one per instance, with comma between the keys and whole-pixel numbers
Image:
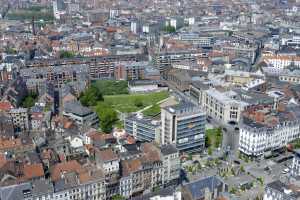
[{"x": 269, "y": 169}]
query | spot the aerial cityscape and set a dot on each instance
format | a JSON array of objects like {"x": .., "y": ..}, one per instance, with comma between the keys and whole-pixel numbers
[{"x": 150, "y": 99}]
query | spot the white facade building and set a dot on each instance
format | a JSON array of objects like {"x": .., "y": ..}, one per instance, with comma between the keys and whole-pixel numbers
[
  {"x": 255, "y": 140},
  {"x": 281, "y": 62},
  {"x": 264, "y": 130},
  {"x": 171, "y": 164},
  {"x": 295, "y": 168},
  {"x": 222, "y": 106}
]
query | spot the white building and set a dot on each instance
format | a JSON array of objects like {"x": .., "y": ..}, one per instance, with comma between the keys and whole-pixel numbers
[
  {"x": 266, "y": 130},
  {"x": 138, "y": 86},
  {"x": 278, "y": 190},
  {"x": 290, "y": 76},
  {"x": 108, "y": 161},
  {"x": 295, "y": 168},
  {"x": 281, "y": 62},
  {"x": 290, "y": 40},
  {"x": 223, "y": 106},
  {"x": 134, "y": 27},
  {"x": 171, "y": 164}
]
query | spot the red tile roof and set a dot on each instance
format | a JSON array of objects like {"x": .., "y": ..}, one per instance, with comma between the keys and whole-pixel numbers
[
  {"x": 107, "y": 155},
  {"x": 5, "y": 106},
  {"x": 33, "y": 171},
  {"x": 70, "y": 166}
]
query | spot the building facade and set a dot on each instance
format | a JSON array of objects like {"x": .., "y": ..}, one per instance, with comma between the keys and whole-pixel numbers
[
  {"x": 142, "y": 128},
  {"x": 264, "y": 130},
  {"x": 184, "y": 126}
]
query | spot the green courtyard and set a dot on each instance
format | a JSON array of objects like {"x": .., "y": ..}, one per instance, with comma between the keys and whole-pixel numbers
[{"x": 131, "y": 103}]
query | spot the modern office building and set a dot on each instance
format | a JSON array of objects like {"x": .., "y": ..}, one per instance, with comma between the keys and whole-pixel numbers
[
  {"x": 227, "y": 106},
  {"x": 183, "y": 125},
  {"x": 142, "y": 128},
  {"x": 83, "y": 116}
]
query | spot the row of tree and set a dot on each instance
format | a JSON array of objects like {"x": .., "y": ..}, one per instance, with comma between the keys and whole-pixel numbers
[{"x": 93, "y": 97}]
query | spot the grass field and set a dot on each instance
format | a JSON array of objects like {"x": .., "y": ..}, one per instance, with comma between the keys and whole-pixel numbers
[
  {"x": 127, "y": 103},
  {"x": 152, "y": 111}
]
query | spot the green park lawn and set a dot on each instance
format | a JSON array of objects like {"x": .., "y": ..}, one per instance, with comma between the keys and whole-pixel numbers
[
  {"x": 152, "y": 111},
  {"x": 133, "y": 102}
]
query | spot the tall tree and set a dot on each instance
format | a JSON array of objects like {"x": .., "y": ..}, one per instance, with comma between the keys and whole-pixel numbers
[
  {"x": 91, "y": 96},
  {"x": 108, "y": 117}
]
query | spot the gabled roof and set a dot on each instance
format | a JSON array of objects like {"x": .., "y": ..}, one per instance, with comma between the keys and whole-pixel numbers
[
  {"x": 197, "y": 187},
  {"x": 66, "y": 167},
  {"x": 131, "y": 166},
  {"x": 107, "y": 155}
]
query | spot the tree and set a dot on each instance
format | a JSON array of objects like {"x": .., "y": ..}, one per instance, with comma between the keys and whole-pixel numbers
[
  {"x": 190, "y": 157},
  {"x": 233, "y": 190},
  {"x": 170, "y": 29},
  {"x": 260, "y": 180},
  {"x": 29, "y": 100},
  {"x": 138, "y": 103},
  {"x": 242, "y": 169},
  {"x": 218, "y": 137},
  {"x": 91, "y": 96},
  {"x": 207, "y": 141},
  {"x": 108, "y": 117},
  {"x": 209, "y": 151},
  {"x": 66, "y": 54},
  {"x": 118, "y": 197}
]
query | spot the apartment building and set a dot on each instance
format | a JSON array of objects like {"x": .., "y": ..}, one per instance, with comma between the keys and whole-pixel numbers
[
  {"x": 263, "y": 129},
  {"x": 249, "y": 52},
  {"x": 164, "y": 60},
  {"x": 20, "y": 119},
  {"x": 282, "y": 61},
  {"x": 290, "y": 76},
  {"x": 183, "y": 125},
  {"x": 108, "y": 161},
  {"x": 295, "y": 168},
  {"x": 171, "y": 164},
  {"x": 98, "y": 67},
  {"x": 278, "y": 190},
  {"x": 69, "y": 180},
  {"x": 139, "y": 174},
  {"x": 130, "y": 70},
  {"x": 199, "y": 39},
  {"x": 57, "y": 75}
]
